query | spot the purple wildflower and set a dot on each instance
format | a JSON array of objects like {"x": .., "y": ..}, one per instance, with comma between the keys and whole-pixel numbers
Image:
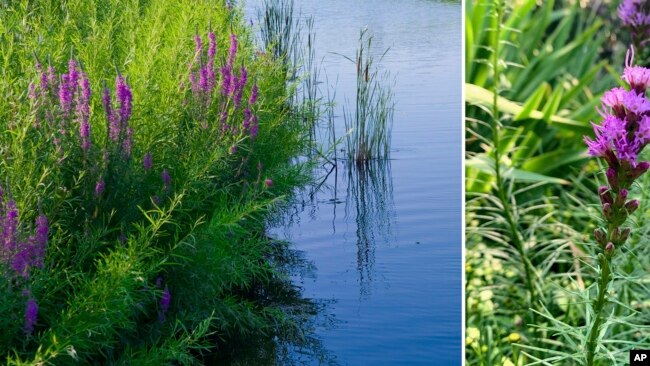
[
  {"x": 625, "y": 129},
  {"x": 247, "y": 119},
  {"x": 124, "y": 98},
  {"x": 65, "y": 95},
  {"x": 635, "y": 14},
  {"x": 147, "y": 162},
  {"x": 99, "y": 187},
  {"x": 83, "y": 112},
  {"x": 167, "y": 179},
  {"x": 232, "y": 53},
  {"x": 198, "y": 45},
  {"x": 239, "y": 88},
  {"x": 255, "y": 127},
  {"x": 253, "y": 97},
  {"x": 212, "y": 48},
  {"x": 31, "y": 315},
  {"x": 165, "y": 300},
  {"x": 268, "y": 183},
  {"x": 40, "y": 242},
  {"x": 10, "y": 232}
]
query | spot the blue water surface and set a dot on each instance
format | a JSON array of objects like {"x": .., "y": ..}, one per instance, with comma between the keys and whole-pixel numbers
[{"x": 386, "y": 244}]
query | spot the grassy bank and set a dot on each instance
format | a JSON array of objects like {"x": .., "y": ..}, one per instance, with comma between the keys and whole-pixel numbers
[{"x": 143, "y": 144}]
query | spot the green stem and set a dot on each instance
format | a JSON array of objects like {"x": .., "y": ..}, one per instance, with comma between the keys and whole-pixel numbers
[{"x": 598, "y": 305}]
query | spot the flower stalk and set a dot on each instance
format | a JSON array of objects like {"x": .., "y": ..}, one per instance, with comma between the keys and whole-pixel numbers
[{"x": 620, "y": 138}]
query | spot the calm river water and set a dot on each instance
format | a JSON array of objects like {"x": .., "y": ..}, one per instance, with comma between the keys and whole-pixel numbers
[{"x": 385, "y": 245}]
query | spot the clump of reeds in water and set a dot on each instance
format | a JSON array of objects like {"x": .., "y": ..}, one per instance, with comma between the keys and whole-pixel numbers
[
  {"x": 280, "y": 32},
  {"x": 371, "y": 122},
  {"x": 290, "y": 41}
]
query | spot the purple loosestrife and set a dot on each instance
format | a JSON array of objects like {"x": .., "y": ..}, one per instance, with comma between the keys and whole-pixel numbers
[
  {"x": 99, "y": 188},
  {"x": 167, "y": 180},
  {"x": 83, "y": 112},
  {"x": 147, "y": 162},
  {"x": 165, "y": 300},
  {"x": 20, "y": 252},
  {"x": 31, "y": 315},
  {"x": 119, "y": 131},
  {"x": 620, "y": 138}
]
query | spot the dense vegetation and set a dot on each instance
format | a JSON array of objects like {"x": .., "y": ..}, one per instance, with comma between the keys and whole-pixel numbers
[
  {"x": 142, "y": 146},
  {"x": 535, "y": 75}
]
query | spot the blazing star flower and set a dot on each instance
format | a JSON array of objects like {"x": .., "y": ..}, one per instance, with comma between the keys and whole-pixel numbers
[
  {"x": 625, "y": 129},
  {"x": 31, "y": 315},
  {"x": 635, "y": 14},
  {"x": 268, "y": 183},
  {"x": 620, "y": 138}
]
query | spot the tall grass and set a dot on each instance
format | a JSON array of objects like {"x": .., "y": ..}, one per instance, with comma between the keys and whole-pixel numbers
[{"x": 369, "y": 123}]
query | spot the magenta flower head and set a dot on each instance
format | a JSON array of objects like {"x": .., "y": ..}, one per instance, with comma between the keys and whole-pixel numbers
[
  {"x": 268, "y": 183},
  {"x": 625, "y": 129},
  {"x": 31, "y": 315}
]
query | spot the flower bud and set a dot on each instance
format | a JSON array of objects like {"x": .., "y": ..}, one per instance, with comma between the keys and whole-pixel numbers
[
  {"x": 616, "y": 233},
  {"x": 631, "y": 206},
  {"x": 599, "y": 236},
  {"x": 625, "y": 233},
  {"x": 609, "y": 247},
  {"x": 605, "y": 195},
  {"x": 621, "y": 197},
  {"x": 607, "y": 211},
  {"x": 612, "y": 179},
  {"x": 641, "y": 168}
]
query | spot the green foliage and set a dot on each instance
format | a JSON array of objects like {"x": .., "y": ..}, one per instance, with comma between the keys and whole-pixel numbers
[
  {"x": 111, "y": 257},
  {"x": 535, "y": 72}
]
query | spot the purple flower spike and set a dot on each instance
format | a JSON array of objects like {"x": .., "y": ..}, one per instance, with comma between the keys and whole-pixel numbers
[
  {"x": 212, "y": 47},
  {"x": 42, "y": 232},
  {"x": 232, "y": 53},
  {"x": 165, "y": 300},
  {"x": 167, "y": 179},
  {"x": 31, "y": 315},
  {"x": 10, "y": 232},
  {"x": 147, "y": 162},
  {"x": 99, "y": 188},
  {"x": 65, "y": 95},
  {"x": 124, "y": 98},
  {"x": 253, "y": 97}
]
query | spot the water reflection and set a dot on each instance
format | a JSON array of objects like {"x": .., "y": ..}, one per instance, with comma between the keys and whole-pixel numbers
[{"x": 369, "y": 202}]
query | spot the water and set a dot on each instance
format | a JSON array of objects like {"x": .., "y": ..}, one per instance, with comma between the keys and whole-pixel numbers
[{"x": 386, "y": 243}]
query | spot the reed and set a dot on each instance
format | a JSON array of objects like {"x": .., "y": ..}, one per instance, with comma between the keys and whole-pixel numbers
[{"x": 369, "y": 124}]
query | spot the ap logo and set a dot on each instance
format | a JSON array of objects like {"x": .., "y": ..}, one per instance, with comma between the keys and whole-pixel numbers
[{"x": 639, "y": 357}]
